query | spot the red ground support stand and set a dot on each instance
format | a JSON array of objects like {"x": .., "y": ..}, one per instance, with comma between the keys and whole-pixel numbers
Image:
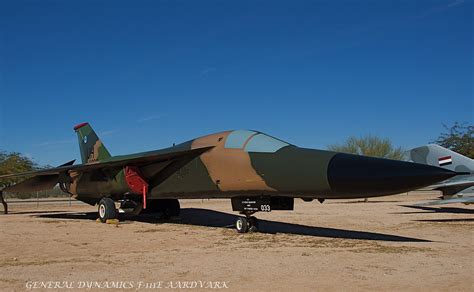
[{"x": 136, "y": 182}]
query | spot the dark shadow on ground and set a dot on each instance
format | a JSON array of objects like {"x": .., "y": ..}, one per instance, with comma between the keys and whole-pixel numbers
[
  {"x": 210, "y": 218},
  {"x": 33, "y": 212},
  {"x": 446, "y": 220},
  {"x": 366, "y": 202},
  {"x": 424, "y": 209},
  {"x": 79, "y": 216}
]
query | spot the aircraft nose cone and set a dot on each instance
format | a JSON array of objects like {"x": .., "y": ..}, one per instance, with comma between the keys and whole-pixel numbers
[{"x": 361, "y": 175}]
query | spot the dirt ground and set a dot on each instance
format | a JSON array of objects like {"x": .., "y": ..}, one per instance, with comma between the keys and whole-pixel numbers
[{"x": 384, "y": 244}]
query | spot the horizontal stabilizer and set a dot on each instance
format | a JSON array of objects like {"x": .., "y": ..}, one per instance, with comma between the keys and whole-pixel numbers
[
  {"x": 34, "y": 184},
  {"x": 68, "y": 163}
]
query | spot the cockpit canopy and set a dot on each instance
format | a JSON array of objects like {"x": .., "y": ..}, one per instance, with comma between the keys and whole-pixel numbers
[{"x": 252, "y": 141}]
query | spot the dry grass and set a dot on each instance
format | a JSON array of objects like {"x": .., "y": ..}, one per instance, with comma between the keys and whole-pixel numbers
[
  {"x": 44, "y": 262},
  {"x": 151, "y": 230},
  {"x": 413, "y": 246},
  {"x": 268, "y": 241}
]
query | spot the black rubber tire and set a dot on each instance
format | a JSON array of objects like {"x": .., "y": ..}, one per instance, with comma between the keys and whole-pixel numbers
[
  {"x": 253, "y": 224},
  {"x": 108, "y": 211},
  {"x": 242, "y": 225}
]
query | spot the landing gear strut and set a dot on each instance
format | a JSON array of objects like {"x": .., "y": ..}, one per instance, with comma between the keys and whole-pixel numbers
[
  {"x": 250, "y": 205},
  {"x": 247, "y": 223},
  {"x": 5, "y": 205}
]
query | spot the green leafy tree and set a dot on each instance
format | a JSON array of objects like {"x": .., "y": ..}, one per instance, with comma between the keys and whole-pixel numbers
[
  {"x": 370, "y": 146},
  {"x": 458, "y": 138},
  {"x": 13, "y": 162}
]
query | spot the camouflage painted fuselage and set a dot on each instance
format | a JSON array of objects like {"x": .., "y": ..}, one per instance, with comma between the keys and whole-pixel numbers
[
  {"x": 244, "y": 167},
  {"x": 251, "y": 163}
]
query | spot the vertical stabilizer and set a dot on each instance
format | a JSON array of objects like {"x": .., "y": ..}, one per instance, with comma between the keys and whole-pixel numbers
[
  {"x": 436, "y": 155},
  {"x": 90, "y": 145}
]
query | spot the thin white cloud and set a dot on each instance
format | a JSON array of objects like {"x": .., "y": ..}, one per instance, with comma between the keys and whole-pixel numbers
[
  {"x": 439, "y": 9},
  {"x": 108, "y": 133},
  {"x": 57, "y": 142},
  {"x": 150, "y": 118},
  {"x": 206, "y": 71}
]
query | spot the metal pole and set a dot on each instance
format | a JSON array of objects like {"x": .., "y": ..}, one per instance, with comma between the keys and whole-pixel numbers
[{"x": 37, "y": 200}]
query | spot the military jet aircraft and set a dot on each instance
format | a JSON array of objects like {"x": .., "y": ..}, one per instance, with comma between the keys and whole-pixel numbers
[
  {"x": 257, "y": 172},
  {"x": 454, "y": 190}
]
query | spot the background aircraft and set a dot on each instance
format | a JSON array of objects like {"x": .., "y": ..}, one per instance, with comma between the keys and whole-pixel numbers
[
  {"x": 256, "y": 171},
  {"x": 458, "y": 189}
]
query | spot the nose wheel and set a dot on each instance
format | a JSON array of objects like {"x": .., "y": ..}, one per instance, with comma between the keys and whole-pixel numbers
[{"x": 246, "y": 224}]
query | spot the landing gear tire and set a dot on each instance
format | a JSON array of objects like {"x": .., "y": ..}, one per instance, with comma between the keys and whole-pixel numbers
[
  {"x": 171, "y": 208},
  {"x": 107, "y": 210},
  {"x": 253, "y": 224},
  {"x": 242, "y": 225},
  {"x": 246, "y": 224}
]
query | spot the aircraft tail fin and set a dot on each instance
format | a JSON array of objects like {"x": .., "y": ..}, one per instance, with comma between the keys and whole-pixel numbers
[
  {"x": 90, "y": 145},
  {"x": 436, "y": 155}
]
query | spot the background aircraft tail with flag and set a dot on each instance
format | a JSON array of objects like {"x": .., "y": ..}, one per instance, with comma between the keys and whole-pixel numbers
[{"x": 459, "y": 189}]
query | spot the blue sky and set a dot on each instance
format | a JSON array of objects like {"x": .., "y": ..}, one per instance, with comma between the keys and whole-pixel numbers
[{"x": 146, "y": 74}]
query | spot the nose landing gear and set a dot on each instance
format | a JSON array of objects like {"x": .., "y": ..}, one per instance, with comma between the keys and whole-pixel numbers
[
  {"x": 246, "y": 224},
  {"x": 250, "y": 205}
]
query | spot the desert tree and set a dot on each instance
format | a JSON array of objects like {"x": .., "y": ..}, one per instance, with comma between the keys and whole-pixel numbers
[
  {"x": 459, "y": 138},
  {"x": 369, "y": 145}
]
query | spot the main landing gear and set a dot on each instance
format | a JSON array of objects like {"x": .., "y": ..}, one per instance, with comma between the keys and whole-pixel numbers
[
  {"x": 107, "y": 209},
  {"x": 166, "y": 208},
  {"x": 246, "y": 224}
]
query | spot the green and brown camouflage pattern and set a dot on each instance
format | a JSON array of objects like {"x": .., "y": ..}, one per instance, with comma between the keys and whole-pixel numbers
[
  {"x": 234, "y": 163},
  {"x": 225, "y": 172},
  {"x": 218, "y": 173},
  {"x": 90, "y": 145}
]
